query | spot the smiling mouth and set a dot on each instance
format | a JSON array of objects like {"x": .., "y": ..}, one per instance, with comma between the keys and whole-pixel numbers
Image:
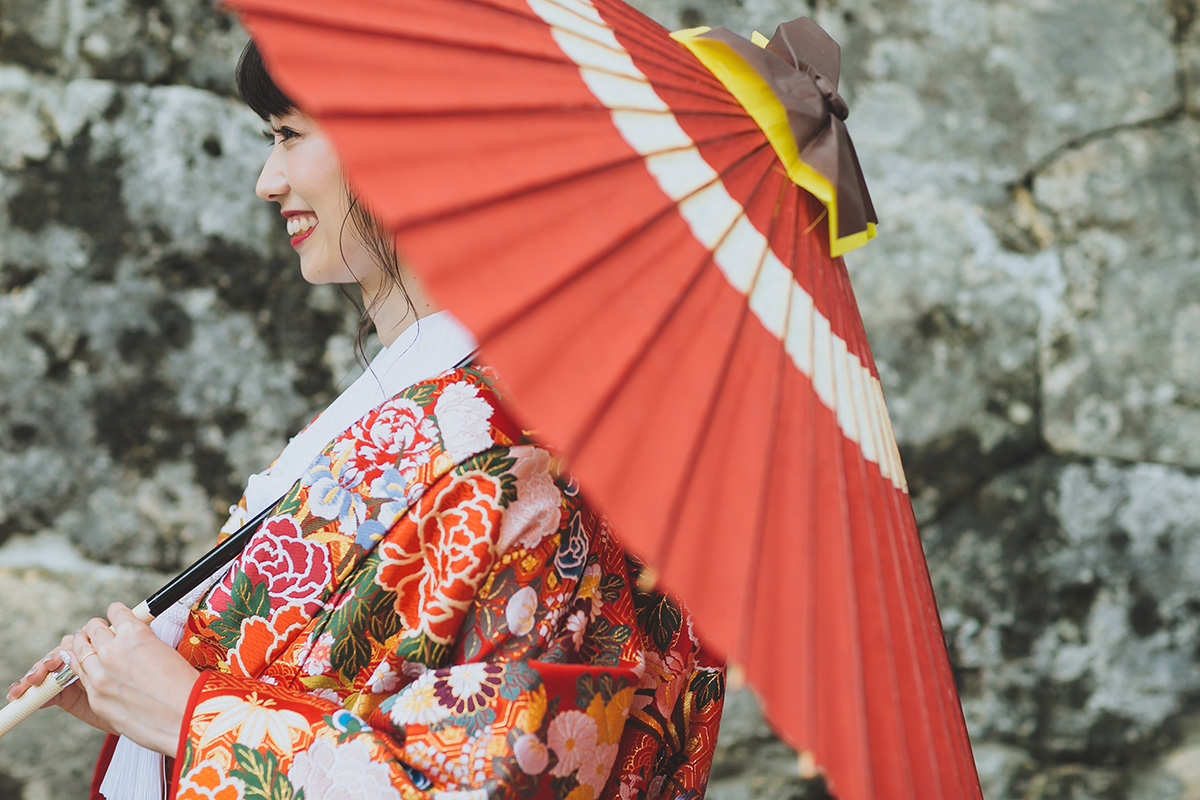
[{"x": 300, "y": 227}]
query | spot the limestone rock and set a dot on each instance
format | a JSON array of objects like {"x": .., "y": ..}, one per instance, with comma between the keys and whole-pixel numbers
[
  {"x": 152, "y": 317},
  {"x": 1066, "y": 596},
  {"x": 169, "y": 41},
  {"x": 1031, "y": 301},
  {"x": 1121, "y": 373}
]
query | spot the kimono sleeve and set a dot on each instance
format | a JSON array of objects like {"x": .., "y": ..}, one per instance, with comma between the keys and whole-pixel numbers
[{"x": 439, "y": 686}]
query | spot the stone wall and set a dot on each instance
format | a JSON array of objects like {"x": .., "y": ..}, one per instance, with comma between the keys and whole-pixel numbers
[{"x": 1032, "y": 300}]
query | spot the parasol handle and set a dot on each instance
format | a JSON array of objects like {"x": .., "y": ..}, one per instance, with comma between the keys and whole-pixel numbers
[
  {"x": 20, "y": 709},
  {"x": 33, "y": 699}
]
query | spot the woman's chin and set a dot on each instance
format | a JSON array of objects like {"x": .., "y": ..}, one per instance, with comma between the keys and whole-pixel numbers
[{"x": 318, "y": 273}]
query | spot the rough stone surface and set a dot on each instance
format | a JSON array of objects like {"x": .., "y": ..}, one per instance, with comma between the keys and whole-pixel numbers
[{"x": 1032, "y": 302}]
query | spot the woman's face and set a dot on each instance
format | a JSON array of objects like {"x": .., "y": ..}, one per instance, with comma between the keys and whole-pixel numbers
[{"x": 303, "y": 175}]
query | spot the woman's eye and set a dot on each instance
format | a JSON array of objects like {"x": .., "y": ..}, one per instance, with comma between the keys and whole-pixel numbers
[{"x": 277, "y": 135}]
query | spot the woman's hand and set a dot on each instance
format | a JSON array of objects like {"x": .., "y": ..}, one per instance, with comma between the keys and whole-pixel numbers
[
  {"x": 132, "y": 682},
  {"x": 72, "y": 699}
]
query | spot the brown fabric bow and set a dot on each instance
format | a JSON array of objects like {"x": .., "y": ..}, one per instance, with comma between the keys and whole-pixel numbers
[{"x": 801, "y": 65}]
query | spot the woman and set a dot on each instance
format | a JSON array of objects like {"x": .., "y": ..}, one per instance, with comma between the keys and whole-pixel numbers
[{"x": 431, "y": 608}]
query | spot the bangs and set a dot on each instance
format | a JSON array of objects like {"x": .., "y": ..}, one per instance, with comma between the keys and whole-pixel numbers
[{"x": 257, "y": 88}]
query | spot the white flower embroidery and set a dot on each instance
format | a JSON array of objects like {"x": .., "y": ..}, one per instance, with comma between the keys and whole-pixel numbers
[
  {"x": 532, "y": 755},
  {"x": 520, "y": 611},
  {"x": 330, "y": 772},
  {"x": 384, "y": 680},
  {"x": 577, "y": 624},
  {"x": 537, "y": 511},
  {"x": 465, "y": 420},
  {"x": 254, "y": 720},
  {"x": 465, "y": 680},
  {"x": 417, "y": 704},
  {"x": 597, "y": 763},
  {"x": 571, "y": 735}
]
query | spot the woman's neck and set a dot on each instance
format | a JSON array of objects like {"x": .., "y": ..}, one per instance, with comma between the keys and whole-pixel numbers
[{"x": 394, "y": 312}]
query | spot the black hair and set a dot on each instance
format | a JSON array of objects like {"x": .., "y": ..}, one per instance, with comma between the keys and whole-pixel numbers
[
  {"x": 259, "y": 91},
  {"x": 257, "y": 87}
]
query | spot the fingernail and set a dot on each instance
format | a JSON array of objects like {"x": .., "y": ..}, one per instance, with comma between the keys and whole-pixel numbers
[
  {"x": 47, "y": 659},
  {"x": 65, "y": 656}
]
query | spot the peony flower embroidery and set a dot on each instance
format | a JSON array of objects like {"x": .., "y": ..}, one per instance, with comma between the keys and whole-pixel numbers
[
  {"x": 294, "y": 569},
  {"x": 571, "y": 735},
  {"x": 397, "y": 434},
  {"x": 331, "y": 772},
  {"x": 537, "y": 511},
  {"x": 436, "y": 572},
  {"x": 572, "y": 551},
  {"x": 465, "y": 420},
  {"x": 519, "y": 613},
  {"x": 261, "y": 640}
]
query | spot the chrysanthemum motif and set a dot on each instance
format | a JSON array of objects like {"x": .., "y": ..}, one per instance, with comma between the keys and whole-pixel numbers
[
  {"x": 417, "y": 703},
  {"x": 467, "y": 688},
  {"x": 597, "y": 763},
  {"x": 571, "y": 735}
]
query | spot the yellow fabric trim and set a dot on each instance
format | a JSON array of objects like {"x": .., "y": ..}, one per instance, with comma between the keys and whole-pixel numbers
[{"x": 754, "y": 95}]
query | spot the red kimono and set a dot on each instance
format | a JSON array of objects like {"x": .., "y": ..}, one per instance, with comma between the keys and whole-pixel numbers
[{"x": 434, "y": 611}]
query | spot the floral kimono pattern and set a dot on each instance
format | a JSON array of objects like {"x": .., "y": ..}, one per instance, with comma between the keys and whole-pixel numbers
[{"x": 433, "y": 611}]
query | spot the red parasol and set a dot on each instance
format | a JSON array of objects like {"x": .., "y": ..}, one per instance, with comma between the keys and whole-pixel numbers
[{"x": 661, "y": 299}]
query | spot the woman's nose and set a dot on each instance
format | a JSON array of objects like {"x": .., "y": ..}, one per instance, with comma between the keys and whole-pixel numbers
[{"x": 272, "y": 182}]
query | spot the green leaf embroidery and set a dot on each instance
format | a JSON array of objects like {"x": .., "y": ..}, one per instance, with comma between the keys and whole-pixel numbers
[
  {"x": 260, "y": 772},
  {"x": 247, "y": 599},
  {"x": 421, "y": 393},
  {"x": 707, "y": 687},
  {"x": 611, "y": 587},
  {"x": 421, "y": 649},
  {"x": 382, "y": 620},
  {"x": 350, "y": 654},
  {"x": 473, "y": 723},
  {"x": 660, "y": 618}
]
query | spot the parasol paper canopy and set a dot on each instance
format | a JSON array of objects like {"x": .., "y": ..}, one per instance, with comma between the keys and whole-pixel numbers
[{"x": 603, "y": 205}]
